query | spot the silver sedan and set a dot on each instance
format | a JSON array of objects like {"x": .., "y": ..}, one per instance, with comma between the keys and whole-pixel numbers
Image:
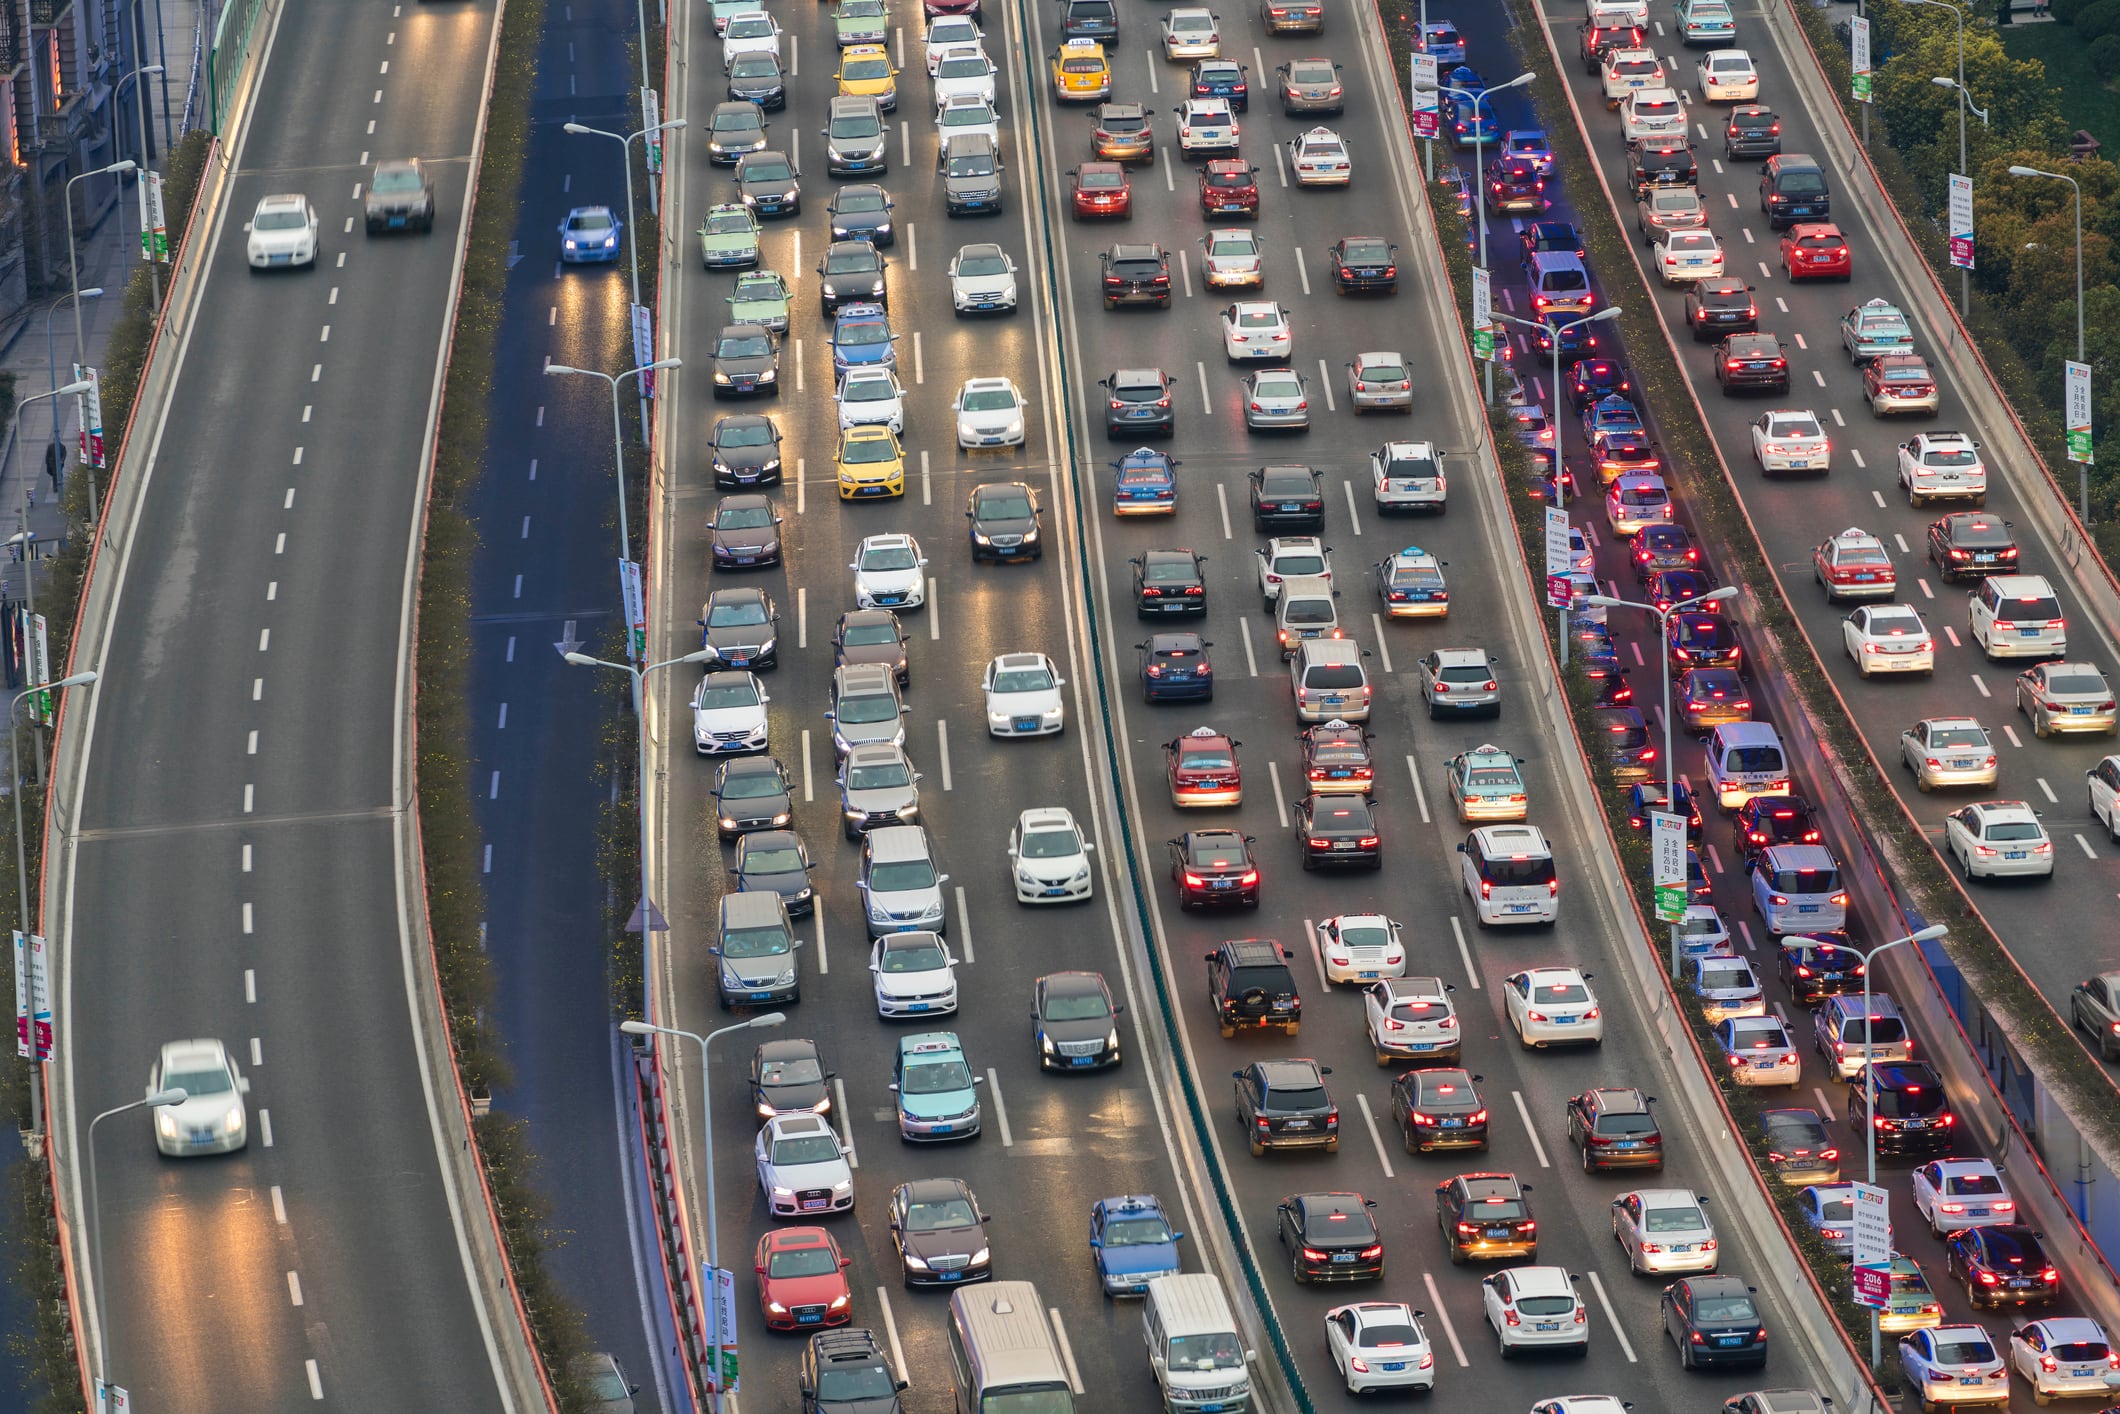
[
  {"x": 1949, "y": 751},
  {"x": 1276, "y": 397},
  {"x": 1380, "y": 381}
]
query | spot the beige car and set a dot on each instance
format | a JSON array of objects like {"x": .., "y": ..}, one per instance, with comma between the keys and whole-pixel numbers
[
  {"x": 2067, "y": 697},
  {"x": 1380, "y": 382},
  {"x": 1949, "y": 751},
  {"x": 1669, "y": 209}
]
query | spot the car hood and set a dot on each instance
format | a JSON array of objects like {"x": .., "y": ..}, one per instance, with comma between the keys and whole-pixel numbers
[
  {"x": 757, "y": 537},
  {"x": 890, "y": 582},
  {"x": 951, "y": 1242},
  {"x": 876, "y": 802},
  {"x": 757, "y": 88},
  {"x": 907, "y": 903},
  {"x": 790, "y": 1098},
  {"x": 416, "y": 200},
  {"x": 1056, "y": 871},
  {"x": 949, "y": 1102},
  {"x": 766, "y": 186},
  {"x": 986, "y": 284},
  {"x": 804, "y": 1291},
  {"x": 788, "y": 883},
  {"x": 746, "y": 636},
  {"x": 912, "y": 984},
  {"x": 757, "y": 807},
  {"x": 728, "y": 719},
  {"x": 1007, "y": 525},
  {"x": 755, "y": 971},
  {"x": 854, "y": 221},
  {"x": 1092, "y": 1030},
  {"x": 1024, "y": 704},
  {"x": 988, "y": 422},
  {"x": 748, "y": 363}
]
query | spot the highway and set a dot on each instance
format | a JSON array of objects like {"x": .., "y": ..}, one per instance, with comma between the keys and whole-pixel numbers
[
  {"x": 236, "y": 868},
  {"x": 1092, "y": 1136}
]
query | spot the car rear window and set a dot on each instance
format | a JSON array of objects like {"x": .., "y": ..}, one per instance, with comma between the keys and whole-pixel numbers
[
  {"x": 1883, "y": 1030},
  {"x": 1306, "y": 1097},
  {"x": 1801, "y": 183},
  {"x": 1752, "y": 759},
  {"x": 1521, "y": 872},
  {"x": 2038, "y": 606},
  {"x": 1329, "y": 676},
  {"x": 1910, "y": 1102},
  {"x": 1270, "y": 979},
  {"x": 1625, "y": 1124}
]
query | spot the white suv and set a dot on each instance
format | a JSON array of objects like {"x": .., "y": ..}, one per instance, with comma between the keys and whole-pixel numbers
[
  {"x": 1942, "y": 466},
  {"x": 283, "y": 231}
]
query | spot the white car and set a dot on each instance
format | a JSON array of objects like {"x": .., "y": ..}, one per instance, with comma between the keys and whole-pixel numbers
[
  {"x": 1553, "y": 1006},
  {"x": 2064, "y": 1357},
  {"x": 1702, "y": 931},
  {"x": 871, "y": 397},
  {"x": 1727, "y": 76},
  {"x": 1949, "y": 751},
  {"x": 729, "y": 714},
  {"x": 1256, "y": 329},
  {"x": 914, "y": 975},
  {"x": 1230, "y": 259},
  {"x": 1320, "y": 159},
  {"x": 982, "y": 279},
  {"x": 1955, "y": 1194},
  {"x": 989, "y": 413},
  {"x": 1191, "y": 34},
  {"x": 1663, "y": 1230},
  {"x": 1411, "y": 1018},
  {"x": 1206, "y": 125},
  {"x": 1726, "y": 986},
  {"x": 1637, "y": 498},
  {"x": 1408, "y": 476},
  {"x": 1757, "y": 1051},
  {"x": 1536, "y": 1308},
  {"x": 2101, "y": 784},
  {"x": 1888, "y": 638},
  {"x": 1652, "y": 113},
  {"x": 1049, "y": 858},
  {"x": 1582, "y": 1404},
  {"x": 1687, "y": 255},
  {"x": 1942, "y": 466},
  {"x": 1954, "y": 1365},
  {"x": 890, "y": 566},
  {"x": 213, "y": 1118},
  {"x": 802, "y": 1167},
  {"x": 1999, "y": 838},
  {"x": 947, "y": 31},
  {"x": 1379, "y": 1345},
  {"x": 749, "y": 32},
  {"x": 282, "y": 231},
  {"x": 1275, "y": 398},
  {"x": 964, "y": 114},
  {"x": 1023, "y": 696},
  {"x": 1788, "y": 440},
  {"x": 1288, "y": 557},
  {"x": 1360, "y": 947},
  {"x": 963, "y": 71}
]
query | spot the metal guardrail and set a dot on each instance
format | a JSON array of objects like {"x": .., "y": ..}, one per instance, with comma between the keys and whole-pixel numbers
[{"x": 231, "y": 43}]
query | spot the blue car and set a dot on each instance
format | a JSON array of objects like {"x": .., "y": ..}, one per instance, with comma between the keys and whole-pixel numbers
[
  {"x": 1175, "y": 668},
  {"x": 1133, "y": 1242},
  {"x": 1471, "y": 124},
  {"x": 1146, "y": 483},
  {"x": 938, "y": 1096},
  {"x": 1611, "y": 413},
  {"x": 1570, "y": 331},
  {"x": 1443, "y": 41},
  {"x": 1594, "y": 647},
  {"x": 862, "y": 338},
  {"x": 589, "y": 236},
  {"x": 1532, "y": 145},
  {"x": 1828, "y": 1209}
]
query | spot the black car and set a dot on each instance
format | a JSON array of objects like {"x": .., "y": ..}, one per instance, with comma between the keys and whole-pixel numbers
[
  {"x": 1214, "y": 867},
  {"x": 846, "y": 1372},
  {"x": 1283, "y": 1104},
  {"x": 1913, "y": 1116},
  {"x": 758, "y": 77},
  {"x": 1593, "y": 42},
  {"x": 1088, "y": 19},
  {"x": 1972, "y": 545},
  {"x": 751, "y": 793},
  {"x": 1439, "y": 1109},
  {"x": 871, "y": 636},
  {"x": 851, "y": 273},
  {"x": 1599, "y": 378},
  {"x": 1549, "y": 235},
  {"x": 741, "y": 626},
  {"x": 1251, "y": 987},
  {"x": 1004, "y": 517},
  {"x": 1135, "y": 273},
  {"x": 1364, "y": 265},
  {"x": 1136, "y": 403},
  {"x": 1714, "y": 1321},
  {"x": 1645, "y": 796},
  {"x": 1076, "y": 1021},
  {"x": 1718, "y": 307},
  {"x": 767, "y": 183},
  {"x": 861, "y": 211},
  {"x": 1751, "y": 131},
  {"x": 1816, "y": 968},
  {"x": 1799, "y": 1149},
  {"x": 1331, "y": 1237},
  {"x": 1676, "y": 585},
  {"x": 1222, "y": 78},
  {"x": 1567, "y": 329},
  {"x": 940, "y": 1233},
  {"x": 1614, "y": 1129},
  {"x": 746, "y": 532},
  {"x": 1650, "y": 166},
  {"x": 1336, "y": 758},
  {"x": 1287, "y": 498},
  {"x": 1169, "y": 582},
  {"x": 1765, "y": 821},
  {"x": 734, "y": 128},
  {"x": 1792, "y": 188},
  {"x": 788, "y": 1078},
  {"x": 1175, "y": 667},
  {"x": 745, "y": 361},
  {"x": 744, "y": 449},
  {"x": 776, "y": 862},
  {"x": 1337, "y": 831},
  {"x": 1485, "y": 1215},
  {"x": 1703, "y": 640},
  {"x": 2001, "y": 1266}
]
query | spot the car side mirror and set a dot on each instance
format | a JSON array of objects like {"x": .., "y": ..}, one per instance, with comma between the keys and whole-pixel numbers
[
  {"x": 243, "y": 1084},
  {"x": 713, "y": 951}
]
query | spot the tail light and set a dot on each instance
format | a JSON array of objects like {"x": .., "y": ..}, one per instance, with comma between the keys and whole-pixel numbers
[
  {"x": 1553, "y": 888},
  {"x": 1469, "y": 1230},
  {"x": 2050, "y": 1275},
  {"x": 1582, "y": 1317},
  {"x": 1311, "y": 1254},
  {"x": 1371, "y": 1253},
  {"x": 1368, "y": 842},
  {"x": 1417, "y": 1116},
  {"x": 1512, "y": 1317},
  {"x": 1264, "y": 1123},
  {"x": 1829, "y": 1155},
  {"x": 1249, "y": 876},
  {"x": 1194, "y": 880}
]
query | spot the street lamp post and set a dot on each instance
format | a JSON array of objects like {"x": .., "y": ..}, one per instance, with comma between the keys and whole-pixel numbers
[
  {"x": 1560, "y": 492},
  {"x": 156, "y": 1100},
  {"x": 1965, "y": 277},
  {"x": 1479, "y": 177},
  {"x": 706, "y": 1129},
  {"x": 625, "y": 143},
  {"x": 147, "y": 173},
  {"x": 2083, "y": 471},
  {"x": 14, "y": 756},
  {"x": 1663, "y": 634},
  {"x": 51, "y": 352},
  {"x": 73, "y": 265},
  {"x": 79, "y": 386}
]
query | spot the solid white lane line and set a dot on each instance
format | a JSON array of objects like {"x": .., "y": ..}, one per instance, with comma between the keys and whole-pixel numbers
[
  {"x": 1280, "y": 802},
  {"x": 1067, "y": 1352},
  {"x": 1437, "y": 1305},
  {"x": 1457, "y": 930},
  {"x": 1317, "y": 955},
  {"x": 942, "y": 741},
  {"x": 846, "y": 1122},
  {"x": 1244, "y": 632},
  {"x": 993, "y": 1092},
  {"x": 890, "y": 1326},
  {"x": 964, "y": 927},
  {"x": 1612, "y": 1318},
  {"x": 1420, "y": 796},
  {"x": 1383, "y": 648},
  {"x": 1375, "y": 1137},
  {"x": 808, "y": 795},
  {"x": 1524, "y": 1113}
]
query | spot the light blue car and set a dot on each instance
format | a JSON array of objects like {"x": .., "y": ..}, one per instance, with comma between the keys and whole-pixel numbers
[
  {"x": 589, "y": 236},
  {"x": 938, "y": 1096},
  {"x": 1706, "y": 22},
  {"x": 1828, "y": 1209},
  {"x": 1875, "y": 328}
]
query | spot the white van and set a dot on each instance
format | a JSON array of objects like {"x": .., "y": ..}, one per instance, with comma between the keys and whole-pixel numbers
[
  {"x": 1304, "y": 610},
  {"x": 1507, "y": 871},
  {"x": 1329, "y": 681},
  {"x": 1002, "y": 1351},
  {"x": 2017, "y": 616},
  {"x": 1194, "y": 1347},
  {"x": 1746, "y": 759}
]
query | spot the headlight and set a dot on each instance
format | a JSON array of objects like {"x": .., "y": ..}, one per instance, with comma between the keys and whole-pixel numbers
[
  {"x": 883, "y": 228},
  {"x": 1026, "y": 878},
  {"x": 771, "y": 465},
  {"x": 770, "y": 375},
  {"x": 781, "y": 818},
  {"x": 1015, "y": 429},
  {"x": 979, "y": 539},
  {"x": 847, "y": 1187},
  {"x": 982, "y": 1257},
  {"x": 1080, "y": 875},
  {"x": 839, "y": 1302},
  {"x": 907, "y": 812},
  {"x": 791, "y": 193},
  {"x": 1045, "y": 1043},
  {"x": 779, "y": 1192},
  {"x": 932, "y": 911},
  {"x": 853, "y": 814},
  {"x": 232, "y": 1122},
  {"x": 167, "y": 1123},
  {"x": 1111, "y": 1042},
  {"x": 918, "y": 1264},
  {"x": 876, "y": 288},
  {"x": 878, "y": 913},
  {"x": 831, "y": 291},
  {"x": 720, "y": 377},
  {"x": 775, "y": 1308},
  {"x": 748, "y": 199},
  {"x": 1030, "y": 535},
  {"x": 785, "y": 979}
]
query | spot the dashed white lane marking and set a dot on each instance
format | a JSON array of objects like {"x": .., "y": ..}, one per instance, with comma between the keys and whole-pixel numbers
[
  {"x": 265, "y": 1127},
  {"x": 1244, "y": 632},
  {"x": 257, "y": 1052},
  {"x": 316, "y": 1381},
  {"x": 2011, "y": 732},
  {"x": 279, "y": 544},
  {"x": 2046, "y": 790},
  {"x": 942, "y": 743},
  {"x": 503, "y": 726},
  {"x": 934, "y": 610},
  {"x": 250, "y": 985},
  {"x": 1612, "y": 1319},
  {"x": 802, "y": 614},
  {"x": 1222, "y": 503},
  {"x": 2085, "y": 846},
  {"x": 1325, "y": 382},
  {"x": 1825, "y": 1106},
  {"x": 279, "y": 1206},
  {"x": 257, "y": 689},
  {"x": 1207, "y": 402},
  {"x": 1067, "y": 1351},
  {"x": 1375, "y": 1137},
  {"x": 493, "y": 787},
  {"x": 1354, "y": 515},
  {"x": 964, "y": 927},
  {"x": 1442, "y": 1312},
  {"x": 1383, "y": 648},
  {"x": 1855, "y": 455},
  {"x": 249, "y": 797},
  {"x": 824, "y": 958},
  {"x": 1977, "y": 682},
  {"x": 294, "y": 1288},
  {"x": 993, "y": 1092},
  {"x": 808, "y": 795},
  {"x": 1523, "y": 1112},
  {"x": 1302, "y": 268},
  {"x": 264, "y": 639},
  {"x": 846, "y": 1128},
  {"x": 249, "y": 920},
  {"x": 1420, "y": 796},
  {"x": 890, "y": 1326},
  {"x": 1280, "y": 801},
  {"x": 1457, "y": 930}
]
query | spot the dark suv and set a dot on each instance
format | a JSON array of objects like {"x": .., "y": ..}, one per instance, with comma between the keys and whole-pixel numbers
[
  {"x": 1485, "y": 1215},
  {"x": 1283, "y": 1104},
  {"x": 1720, "y": 306},
  {"x": 1912, "y": 1117},
  {"x": 1765, "y": 821},
  {"x": 1614, "y": 1129},
  {"x": 2001, "y": 1266},
  {"x": 1089, "y": 19},
  {"x": 1595, "y": 41},
  {"x": 1251, "y": 987},
  {"x": 846, "y": 1371},
  {"x": 1137, "y": 403},
  {"x": 1792, "y": 188},
  {"x": 1752, "y": 361},
  {"x": 1814, "y": 969},
  {"x": 1136, "y": 274},
  {"x": 1752, "y": 131},
  {"x": 1650, "y": 165},
  {"x": 1287, "y": 498}
]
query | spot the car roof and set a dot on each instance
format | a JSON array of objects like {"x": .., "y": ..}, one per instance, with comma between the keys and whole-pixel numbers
[
  {"x": 1542, "y": 1281},
  {"x": 930, "y": 1045},
  {"x": 1799, "y": 856},
  {"x": 2070, "y": 1328},
  {"x": 801, "y": 1123},
  {"x": 1046, "y": 817},
  {"x": 1511, "y": 839},
  {"x": 1284, "y": 1074},
  {"x": 891, "y": 843},
  {"x": 203, "y": 1051},
  {"x": 1655, "y": 1197},
  {"x": 870, "y": 753}
]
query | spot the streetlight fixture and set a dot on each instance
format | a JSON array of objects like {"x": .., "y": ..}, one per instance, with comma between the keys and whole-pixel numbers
[
  {"x": 154, "y": 273},
  {"x": 2083, "y": 471},
  {"x": 706, "y": 1129},
  {"x": 1965, "y": 277},
  {"x": 1479, "y": 176},
  {"x": 155, "y": 1100},
  {"x": 51, "y": 352},
  {"x": 1560, "y": 492},
  {"x": 1663, "y": 634},
  {"x": 73, "y": 266}
]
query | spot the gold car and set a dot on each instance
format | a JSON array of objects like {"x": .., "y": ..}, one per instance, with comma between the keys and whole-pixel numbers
[
  {"x": 1080, "y": 72},
  {"x": 865, "y": 72},
  {"x": 871, "y": 464}
]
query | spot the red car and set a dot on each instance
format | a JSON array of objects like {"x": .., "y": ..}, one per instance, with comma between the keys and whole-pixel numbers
[
  {"x": 1513, "y": 184},
  {"x": 802, "y": 1279},
  {"x": 1229, "y": 186},
  {"x": 1816, "y": 250},
  {"x": 1203, "y": 770},
  {"x": 1102, "y": 189}
]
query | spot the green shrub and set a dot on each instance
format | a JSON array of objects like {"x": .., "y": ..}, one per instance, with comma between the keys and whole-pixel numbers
[
  {"x": 2104, "y": 55},
  {"x": 2098, "y": 19},
  {"x": 2065, "y": 11}
]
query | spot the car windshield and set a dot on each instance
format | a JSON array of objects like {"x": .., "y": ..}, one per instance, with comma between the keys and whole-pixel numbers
[
  {"x": 1724, "y": 1309},
  {"x": 744, "y": 434},
  {"x": 1463, "y": 672},
  {"x": 754, "y": 942},
  {"x": 1964, "y": 1350},
  {"x": 861, "y": 333},
  {"x": 1004, "y": 505},
  {"x": 888, "y": 557},
  {"x": 990, "y": 400},
  {"x": 1725, "y": 979},
  {"x": 748, "y": 27},
  {"x": 884, "y": 777},
  {"x": 805, "y": 1071},
  {"x": 855, "y": 125},
  {"x": 868, "y": 635},
  {"x": 966, "y": 67},
  {"x": 1884, "y": 1030},
  {"x": 395, "y": 179},
  {"x": 1076, "y": 1006},
  {"x": 923, "y": 956},
  {"x": 869, "y": 390},
  {"x": 1686, "y": 1219},
  {"x": 716, "y": 695},
  {"x": 849, "y": 262},
  {"x": 867, "y": 707},
  {"x": 802, "y": 1262},
  {"x": 901, "y": 876},
  {"x": 1135, "y": 1232},
  {"x": 740, "y": 615},
  {"x": 1411, "y": 468},
  {"x": 940, "y": 1217},
  {"x": 805, "y": 1149},
  {"x": 970, "y": 115},
  {"x": 1205, "y": 1352},
  {"x": 294, "y": 220},
  {"x": 863, "y": 69},
  {"x": 779, "y": 859},
  {"x": 755, "y": 66},
  {"x": 982, "y": 263},
  {"x": 936, "y": 1078},
  {"x": 768, "y": 168},
  {"x": 854, "y": 201},
  {"x": 838, "y": 1384},
  {"x": 196, "y": 1083},
  {"x": 728, "y": 223},
  {"x": 862, "y": 451},
  {"x": 1023, "y": 680},
  {"x": 744, "y": 346},
  {"x": 751, "y": 785}
]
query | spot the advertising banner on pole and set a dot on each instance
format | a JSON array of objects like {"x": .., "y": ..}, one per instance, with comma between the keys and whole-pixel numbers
[
  {"x": 1859, "y": 56},
  {"x": 1872, "y": 1227},
  {"x": 721, "y": 1283},
  {"x": 2077, "y": 399},
  {"x": 113, "y": 1399},
  {"x": 636, "y": 609},
  {"x": 154, "y": 235},
  {"x": 1482, "y": 315},
  {"x": 39, "y": 666},
  {"x": 88, "y": 412},
  {"x": 650, "y": 120},
  {"x": 1873, "y": 1286},
  {"x": 1425, "y": 96},
  {"x": 1667, "y": 845},
  {"x": 644, "y": 348},
  {"x": 33, "y": 999},
  {"x": 1961, "y": 228},
  {"x": 1558, "y": 558}
]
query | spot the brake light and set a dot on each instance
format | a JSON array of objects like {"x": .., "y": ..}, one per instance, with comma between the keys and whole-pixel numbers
[
  {"x": 1249, "y": 876},
  {"x": 1194, "y": 880},
  {"x": 1512, "y": 1317}
]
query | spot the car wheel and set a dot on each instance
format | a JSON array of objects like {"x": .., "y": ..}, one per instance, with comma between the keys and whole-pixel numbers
[
  {"x": 1589, "y": 1167},
  {"x": 2040, "y": 1397},
  {"x": 1258, "y": 1147},
  {"x": 1295, "y": 1265},
  {"x": 1503, "y": 1346}
]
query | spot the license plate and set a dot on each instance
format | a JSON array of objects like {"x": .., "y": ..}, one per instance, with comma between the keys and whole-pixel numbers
[
  {"x": 396, "y": 221},
  {"x": 1343, "y": 844},
  {"x": 1518, "y": 908},
  {"x": 761, "y": 996},
  {"x": 1729, "y": 1340},
  {"x": 989, "y": 441},
  {"x": 1081, "y": 1060},
  {"x": 2079, "y": 711},
  {"x": 1634, "y": 1144},
  {"x": 2027, "y": 633},
  {"x": 1343, "y": 1256},
  {"x": 1026, "y": 724},
  {"x": 943, "y": 1129},
  {"x": 1564, "y": 1020},
  {"x": 1452, "y": 1123},
  {"x": 916, "y": 1006},
  {"x": 949, "y": 1276},
  {"x": 1221, "y": 883},
  {"x": 1394, "y": 1365},
  {"x": 2013, "y": 854},
  {"x": 1054, "y": 893},
  {"x": 1807, "y": 908},
  {"x": 814, "y": 1205},
  {"x": 1339, "y": 775},
  {"x": 808, "y": 1318},
  {"x": 1498, "y": 1233},
  {"x": 1297, "y": 1124},
  {"x": 1209, "y": 1408},
  {"x": 1681, "y": 1247},
  {"x": 1546, "y": 1325}
]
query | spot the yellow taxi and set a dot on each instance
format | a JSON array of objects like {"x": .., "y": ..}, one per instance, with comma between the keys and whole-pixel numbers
[
  {"x": 1080, "y": 73},
  {"x": 871, "y": 464},
  {"x": 865, "y": 72}
]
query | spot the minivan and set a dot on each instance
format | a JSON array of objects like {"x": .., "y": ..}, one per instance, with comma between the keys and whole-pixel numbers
[
  {"x": 1329, "y": 681},
  {"x": 971, "y": 174},
  {"x": 1746, "y": 759},
  {"x": 855, "y": 140},
  {"x": 1792, "y": 188},
  {"x": 2017, "y": 616},
  {"x": 900, "y": 889},
  {"x": 1848, "y": 1036},
  {"x": 1560, "y": 283},
  {"x": 1797, "y": 888},
  {"x": 1002, "y": 1350},
  {"x": 1198, "y": 1355},
  {"x": 755, "y": 943},
  {"x": 1508, "y": 873},
  {"x": 1305, "y": 611},
  {"x": 865, "y": 707}
]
